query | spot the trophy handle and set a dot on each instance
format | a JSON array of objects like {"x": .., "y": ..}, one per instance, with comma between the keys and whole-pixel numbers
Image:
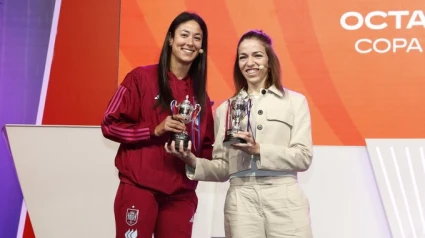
[
  {"x": 228, "y": 117},
  {"x": 174, "y": 107},
  {"x": 249, "y": 104},
  {"x": 248, "y": 112},
  {"x": 196, "y": 110}
]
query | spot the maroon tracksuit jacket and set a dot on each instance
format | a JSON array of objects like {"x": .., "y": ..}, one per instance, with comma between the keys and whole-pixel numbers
[{"x": 131, "y": 118}]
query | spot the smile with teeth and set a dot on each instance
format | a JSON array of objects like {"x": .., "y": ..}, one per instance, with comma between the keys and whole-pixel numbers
[
  {"x": 251, "y": 71},
  {"x": 188, "y": 50}
]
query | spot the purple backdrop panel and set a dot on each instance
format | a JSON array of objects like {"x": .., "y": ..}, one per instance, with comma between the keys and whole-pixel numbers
[{"x": 24, "y": 38}]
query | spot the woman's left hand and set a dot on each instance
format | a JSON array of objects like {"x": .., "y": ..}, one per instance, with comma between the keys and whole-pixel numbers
[
  {"x": 184, "y": 154},
  {"x": 250, "y": 147}
]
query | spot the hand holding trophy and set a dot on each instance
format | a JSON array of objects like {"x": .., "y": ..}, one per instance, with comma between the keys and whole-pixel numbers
[
  {"x": 237, "y": 109},
  {"x": 189, "y": 112}
]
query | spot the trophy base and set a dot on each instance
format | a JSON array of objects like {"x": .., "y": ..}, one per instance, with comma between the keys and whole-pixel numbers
[
  {"x": 177, "y": 138},
  {"x": 230, "y": 140}
]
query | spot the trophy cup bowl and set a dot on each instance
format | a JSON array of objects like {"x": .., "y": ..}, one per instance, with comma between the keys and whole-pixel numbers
[
  {"x": 189, "y": 112},
  {"x": 237, "y": 110}
]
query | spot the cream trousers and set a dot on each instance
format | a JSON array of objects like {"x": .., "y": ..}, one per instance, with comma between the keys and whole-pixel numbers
[{"x": 266, "y": 207}]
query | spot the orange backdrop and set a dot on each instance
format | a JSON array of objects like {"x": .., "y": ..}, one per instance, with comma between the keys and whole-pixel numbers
[{"x": 353, "y": 95}]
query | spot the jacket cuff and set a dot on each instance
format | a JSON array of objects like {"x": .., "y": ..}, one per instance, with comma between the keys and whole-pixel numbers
[
  {"x": 266, "y": 152},
  {"x": 193, "y": 173},
  {"x": 152, "y": 130}
]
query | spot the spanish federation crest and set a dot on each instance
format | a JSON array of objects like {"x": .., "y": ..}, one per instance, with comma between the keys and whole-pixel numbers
[{"x": 132, "y": 216}]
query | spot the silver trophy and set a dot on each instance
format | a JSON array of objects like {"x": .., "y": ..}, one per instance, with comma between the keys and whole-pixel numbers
[
  {"x": 237, "y": 110},
  {"x": 189, "y": 112}
]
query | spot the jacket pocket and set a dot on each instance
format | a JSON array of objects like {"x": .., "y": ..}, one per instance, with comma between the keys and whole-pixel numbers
[{"x": 281, "y": 116}]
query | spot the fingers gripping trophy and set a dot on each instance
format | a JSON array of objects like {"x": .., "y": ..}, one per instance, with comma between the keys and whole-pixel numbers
[
  {"x": 237, "y": 110},
  {"x": 189, "y": 112}
]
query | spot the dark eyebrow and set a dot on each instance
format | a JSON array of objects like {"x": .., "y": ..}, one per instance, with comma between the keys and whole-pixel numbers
[{"x": 186, "y": 31}]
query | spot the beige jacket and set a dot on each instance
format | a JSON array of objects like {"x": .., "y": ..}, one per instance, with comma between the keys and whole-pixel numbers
[{"x": 283, "y": 130}]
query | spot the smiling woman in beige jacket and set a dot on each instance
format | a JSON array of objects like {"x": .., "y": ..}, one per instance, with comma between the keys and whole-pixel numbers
[{"x": 264, "y": 198}]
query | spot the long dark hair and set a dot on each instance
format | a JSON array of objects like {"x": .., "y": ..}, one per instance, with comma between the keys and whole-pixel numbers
[
  {"x": 274, "y": 73},
  {"x": 197, "y": 71}
]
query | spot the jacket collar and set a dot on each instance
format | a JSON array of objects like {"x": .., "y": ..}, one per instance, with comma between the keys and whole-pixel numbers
[{"x": 272, "y": 89}]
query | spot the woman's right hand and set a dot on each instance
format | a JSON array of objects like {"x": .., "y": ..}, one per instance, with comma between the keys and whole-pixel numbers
[{"x": 172, "y": 124}]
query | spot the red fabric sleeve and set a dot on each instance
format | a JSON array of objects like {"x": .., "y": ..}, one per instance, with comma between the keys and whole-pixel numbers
[
  {"x": 121, "y": 122},
  {"x": 208, "y": 141}
]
